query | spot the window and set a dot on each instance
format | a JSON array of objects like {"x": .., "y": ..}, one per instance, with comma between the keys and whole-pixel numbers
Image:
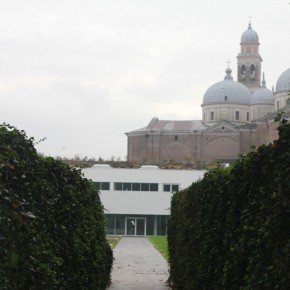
[
  {"x": 136, "y": 186},
  {"x": 204, "y": 116},
  {"x": 110, "y": 224},
  {"x": 248, "y": 116},
  {"x": 170, "y": 187},
  {"x": 144, "y": 186},
  {"x": 252, "y": 71},
  {"x": 237, "y": 115},
  {"x": 153, "y": 186},
  {"x": 211, "y": 116},
  {"x": 161, "y": 225},
  {"x": 118, "y": 186},
  {"x": 97, "y": 185},
  {"x": 102, "y": 185},
  {"x": 175, "y": 137},
  {"x": 120, "y": 224},
  {"x": 127, "y": 186},
  {"x": 105, "y": 185},
  {"x": 226, "y": 98},
  {"x": 277, "y": 105},
  {"x": 243, "y": 71}
]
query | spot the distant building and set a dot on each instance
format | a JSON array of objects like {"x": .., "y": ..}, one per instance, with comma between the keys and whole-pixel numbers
[
  {"x": 235, "y": 116},
  {"x": 137, "y": 201}
]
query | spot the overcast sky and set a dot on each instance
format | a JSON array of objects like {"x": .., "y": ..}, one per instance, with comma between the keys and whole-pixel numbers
[{"x": 84, "y": 72}]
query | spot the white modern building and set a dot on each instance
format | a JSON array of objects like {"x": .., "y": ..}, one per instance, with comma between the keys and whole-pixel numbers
[{"x": 137, "y": 201}]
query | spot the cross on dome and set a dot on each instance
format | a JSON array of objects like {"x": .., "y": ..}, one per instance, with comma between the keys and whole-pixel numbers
[
  {"x": 250, "y": 35},
  {"x": 228, "y": 62},
  {"x": 250, "y": 21},
  {"x": 264, "y": 81}
]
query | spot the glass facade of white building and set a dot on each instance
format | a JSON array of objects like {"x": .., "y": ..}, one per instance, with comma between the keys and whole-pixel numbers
[{"x": 136, "y": 225}]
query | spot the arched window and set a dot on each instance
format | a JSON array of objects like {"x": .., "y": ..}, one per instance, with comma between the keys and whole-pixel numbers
[
  {"x": 237, "y": 115},
  {"x": 248, "y": 116},
  {"x": 252, "y": 71},
  {"x": 243, "y": 71},
  {"x": 211, "y": 116}
]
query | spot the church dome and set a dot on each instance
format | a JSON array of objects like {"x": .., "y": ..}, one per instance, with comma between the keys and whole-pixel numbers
[
  {"x": 250, "y": 35},
  {"x": 283, "y": 83},
  {"x": 227, "y": 91},
  {"x": 262, "y": 96}
]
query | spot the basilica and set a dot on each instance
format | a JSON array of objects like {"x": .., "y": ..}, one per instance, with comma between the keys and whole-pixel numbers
[{"x": 235, "y": 116}]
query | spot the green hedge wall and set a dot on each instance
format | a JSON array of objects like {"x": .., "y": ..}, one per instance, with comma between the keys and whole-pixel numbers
[
  {"x": 231, "y": 229},
  {"x": 51, "y": 222}
]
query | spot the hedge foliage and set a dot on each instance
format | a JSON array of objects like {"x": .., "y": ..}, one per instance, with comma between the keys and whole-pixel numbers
[
  {"x": 231, "y": 229},
  {"x": 51, "y": 222}
]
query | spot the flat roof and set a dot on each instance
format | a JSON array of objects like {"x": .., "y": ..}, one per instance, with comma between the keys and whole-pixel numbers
[{"x": 149, "y": 175}]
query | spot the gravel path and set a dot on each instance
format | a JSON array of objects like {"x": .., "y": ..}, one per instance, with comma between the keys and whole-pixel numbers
[{"x": 138, "y": 265}]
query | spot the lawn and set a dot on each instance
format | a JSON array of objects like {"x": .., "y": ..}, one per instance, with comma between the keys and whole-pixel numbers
[
  {"x": 113, "y": 240},
  {"x": 160, "y": 243}
]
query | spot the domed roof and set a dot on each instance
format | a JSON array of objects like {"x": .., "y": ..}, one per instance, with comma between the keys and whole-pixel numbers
[
  {"x": 262, "y": 96},
  {"x": 283, "y": 83},
  {"x": 227, "y": 91},
  {"x": 250, "y": 35}
]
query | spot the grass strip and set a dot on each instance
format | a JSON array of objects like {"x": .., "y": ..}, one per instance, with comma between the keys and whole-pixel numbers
[
  {"x": 113, "y": 240},
  {"x": 160, "y": 243}
]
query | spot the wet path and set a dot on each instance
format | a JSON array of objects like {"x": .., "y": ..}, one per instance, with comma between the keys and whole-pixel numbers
[{"x": 138, "y": 266}]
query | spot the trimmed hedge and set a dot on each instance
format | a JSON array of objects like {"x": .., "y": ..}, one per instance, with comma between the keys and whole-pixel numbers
[
  {"x": 231, "y": 229},
  {"x": 51, "y": 222}
]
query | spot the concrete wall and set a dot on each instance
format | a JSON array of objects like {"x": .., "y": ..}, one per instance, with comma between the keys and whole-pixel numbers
[{"x": 136, "y": 202}]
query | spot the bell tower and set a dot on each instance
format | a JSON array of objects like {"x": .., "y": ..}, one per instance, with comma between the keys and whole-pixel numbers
[{"x": 249, "y": 60}]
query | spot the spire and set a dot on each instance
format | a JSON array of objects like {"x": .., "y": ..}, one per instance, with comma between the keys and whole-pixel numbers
[
  {"x": 228, "y": 74},
  {"x": 250, "y": 22},
  {"x": 264, "y": 81}
]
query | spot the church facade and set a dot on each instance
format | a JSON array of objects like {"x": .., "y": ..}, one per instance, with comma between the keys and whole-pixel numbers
[{"x": 235, "y": 116}]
